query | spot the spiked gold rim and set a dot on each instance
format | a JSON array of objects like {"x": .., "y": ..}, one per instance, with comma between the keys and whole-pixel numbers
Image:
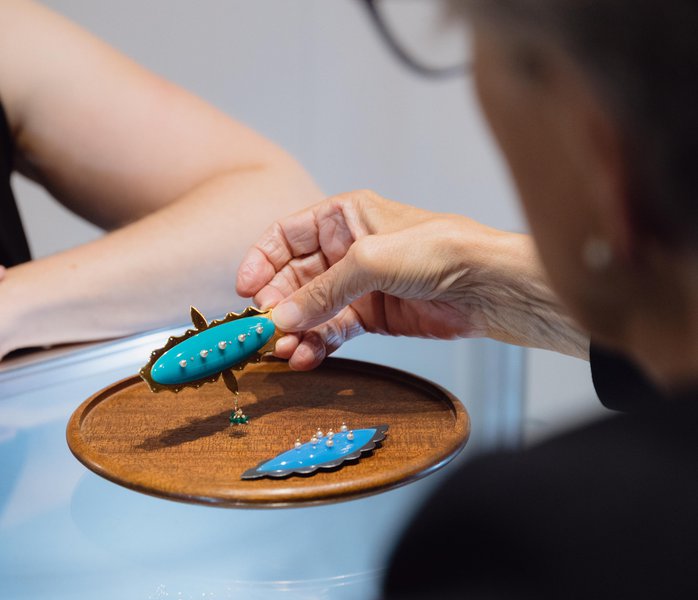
[{"x": 200, "y": 323}]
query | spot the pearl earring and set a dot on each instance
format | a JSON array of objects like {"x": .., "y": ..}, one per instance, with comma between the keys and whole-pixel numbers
[{"x": 596, "y": 253}]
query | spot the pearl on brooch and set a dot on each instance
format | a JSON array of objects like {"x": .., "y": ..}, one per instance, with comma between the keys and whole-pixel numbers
[
  {"x": 343, "y": 428},
  {"x": 242, "y": 337},
  {"x": 329, "y": 443},
  {"x": 297, "y": 443},
  {"x": 259, "y": 329},
  {"x": 203, "y": 353},
  {"x": 318, "y": 433},
  {"x": 350, "y": 436},
  {"x": 183, "y": 363},
  {"x": 222, "y": 344}
]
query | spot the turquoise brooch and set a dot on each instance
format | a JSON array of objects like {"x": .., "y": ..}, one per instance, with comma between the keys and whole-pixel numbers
[
  {"x": 323, "y": 451},
  {"x": 212, "y": 350}
]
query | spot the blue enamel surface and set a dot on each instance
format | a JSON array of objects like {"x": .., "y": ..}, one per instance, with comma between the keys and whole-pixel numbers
[
  {"x": 315, "y": 455},
  {"x": 167, "y": 370}
]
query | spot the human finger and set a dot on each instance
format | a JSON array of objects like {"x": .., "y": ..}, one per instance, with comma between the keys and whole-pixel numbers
[
  {"x": 294, "y": 275},
  {"x": 321, "y": 341},
  {"x": 286, "y": 346},
  {"x": 331, "y": 291},
  {"x": 254, "y": 272},
  {"x": 293, "y": 236},
  {"x": 330, "y": 226}
]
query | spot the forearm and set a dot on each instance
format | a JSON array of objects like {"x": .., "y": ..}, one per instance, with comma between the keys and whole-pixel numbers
[
  {"x": 147, "y": 274},
  {"x": 518, "y": 304}
]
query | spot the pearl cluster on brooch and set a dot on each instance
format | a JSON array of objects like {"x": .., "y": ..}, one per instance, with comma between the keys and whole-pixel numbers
[
  {"x": 328, "y": 438},
  {"x": 222, "y": 345}
]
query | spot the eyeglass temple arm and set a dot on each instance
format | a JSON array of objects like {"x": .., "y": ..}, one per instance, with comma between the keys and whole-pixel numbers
[{"x": 399, "y": 52}]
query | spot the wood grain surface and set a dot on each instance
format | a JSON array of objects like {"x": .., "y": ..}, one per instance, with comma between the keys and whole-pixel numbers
[{"x": 182, "y": 447}]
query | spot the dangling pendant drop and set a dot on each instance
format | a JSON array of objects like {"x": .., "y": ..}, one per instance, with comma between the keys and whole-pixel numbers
[
  {"x": 219, "y": 354},
  {"x": 237, "y": 417}
]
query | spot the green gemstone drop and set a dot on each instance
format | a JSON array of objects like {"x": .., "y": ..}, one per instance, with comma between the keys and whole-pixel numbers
[{"x": 237, "y": 420}]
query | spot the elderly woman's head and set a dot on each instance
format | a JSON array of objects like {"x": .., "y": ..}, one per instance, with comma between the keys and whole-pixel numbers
[{"x": 595, "y": 106}]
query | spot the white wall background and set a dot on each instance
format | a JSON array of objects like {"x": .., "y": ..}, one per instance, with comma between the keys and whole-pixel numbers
[{"x": 314, "y": 76}]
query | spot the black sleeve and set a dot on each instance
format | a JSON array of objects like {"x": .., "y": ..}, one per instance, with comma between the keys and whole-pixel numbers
[
  {"x": 620, "y": 384},
  {"x": 605, "y": 511},
  {"x": 13, "y": 242}
]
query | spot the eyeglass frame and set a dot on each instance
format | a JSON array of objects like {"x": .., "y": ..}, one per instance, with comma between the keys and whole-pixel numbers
[{"x": 403, "y": 55}]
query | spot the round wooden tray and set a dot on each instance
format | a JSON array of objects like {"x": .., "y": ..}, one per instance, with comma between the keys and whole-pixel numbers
[{"x": 182, "y": 447}]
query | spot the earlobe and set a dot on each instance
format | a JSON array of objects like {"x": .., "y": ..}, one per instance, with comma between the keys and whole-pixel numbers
[{"x": 597, "y": 253}]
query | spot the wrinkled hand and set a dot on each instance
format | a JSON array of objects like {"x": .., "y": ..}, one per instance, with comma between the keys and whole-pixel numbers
[{"x": 359, "y": 263}]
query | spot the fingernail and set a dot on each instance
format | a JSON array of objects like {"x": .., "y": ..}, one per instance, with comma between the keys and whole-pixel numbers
[{"x": 287, "y": 316}]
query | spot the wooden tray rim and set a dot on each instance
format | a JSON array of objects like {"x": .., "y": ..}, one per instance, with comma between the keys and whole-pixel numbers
[{"x": 84, "y": 453}]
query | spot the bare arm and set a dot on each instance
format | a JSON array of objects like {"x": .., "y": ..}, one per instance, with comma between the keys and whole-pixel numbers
[{"x": 184, "y": 188}]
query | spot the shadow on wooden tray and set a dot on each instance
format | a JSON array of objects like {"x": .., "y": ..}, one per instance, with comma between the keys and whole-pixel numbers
[{"x": 329, "y": 389}]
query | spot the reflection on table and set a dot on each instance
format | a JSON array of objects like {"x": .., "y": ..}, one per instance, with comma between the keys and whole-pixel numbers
[{"x": 67, "y": 533}]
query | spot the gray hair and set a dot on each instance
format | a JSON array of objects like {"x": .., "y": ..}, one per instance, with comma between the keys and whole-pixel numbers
[{"x": 642, "y": 58}]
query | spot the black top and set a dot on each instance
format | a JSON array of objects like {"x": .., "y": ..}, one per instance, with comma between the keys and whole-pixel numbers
[
  {"x": 13, "y": 243},
  {"x": 605, "y": 511}
]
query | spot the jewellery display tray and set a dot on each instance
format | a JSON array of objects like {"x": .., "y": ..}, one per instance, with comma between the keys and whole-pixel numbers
[{"x": 181, "y": 446}]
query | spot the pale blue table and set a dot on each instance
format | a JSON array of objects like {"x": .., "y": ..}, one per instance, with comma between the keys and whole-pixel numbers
[{"x": 67, "y": 533}]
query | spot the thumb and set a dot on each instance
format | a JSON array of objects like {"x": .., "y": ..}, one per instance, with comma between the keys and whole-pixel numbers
[{"x": 324, "y": 296}]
